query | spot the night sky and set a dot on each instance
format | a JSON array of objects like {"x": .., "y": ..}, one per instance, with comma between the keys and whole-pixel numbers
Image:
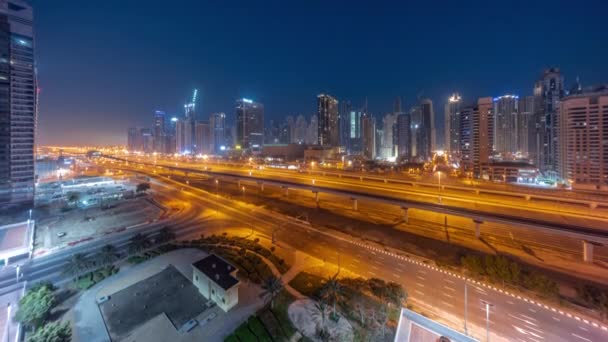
[{"x": 107, "y": 65}]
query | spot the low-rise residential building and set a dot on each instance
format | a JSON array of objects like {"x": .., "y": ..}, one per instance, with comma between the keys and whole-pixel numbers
[{"x": 216, "y": 280}]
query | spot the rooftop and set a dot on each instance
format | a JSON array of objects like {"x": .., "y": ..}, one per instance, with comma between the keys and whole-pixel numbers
[{"x": 218, "y": 270}]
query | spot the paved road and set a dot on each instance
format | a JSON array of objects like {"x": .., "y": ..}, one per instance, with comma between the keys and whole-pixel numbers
[{"x": 511, "y": 319}]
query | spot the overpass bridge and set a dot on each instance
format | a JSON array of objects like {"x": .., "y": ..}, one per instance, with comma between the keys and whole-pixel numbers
[{"x": 588, "y": 236}]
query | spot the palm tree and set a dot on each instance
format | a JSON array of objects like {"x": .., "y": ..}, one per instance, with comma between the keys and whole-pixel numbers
[
  {"x": 107, "y": 255},
  {"x": 164, "y": 235},
  {"x": 332, "y": 292},
  {"x": 138, "y": 243},
  {"x": 76, "y": 265},
  {"x": 271, "y": 286},
  {"x": 321, "y": 312}
]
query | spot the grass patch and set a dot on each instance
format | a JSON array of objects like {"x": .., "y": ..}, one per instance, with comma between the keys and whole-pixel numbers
[
  {"x": 258, "y": 329},
  {"x": 308, "y": 284},
  {"x": 88, "y": 280},
  {"x": 136, "y": 259},
  {"x": 231, "y": 338},
  {"x": 244, "y": 334}
]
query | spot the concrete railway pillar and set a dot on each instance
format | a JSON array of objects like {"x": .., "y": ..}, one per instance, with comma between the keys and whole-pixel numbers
[
  {"x": 355, "y": 204},
  {"x": 316, "y": 196},
  {"x": 406, "y": 218},
  {"x": 477, "y": 224},
  {"x": 286, "y": 189},
  {"x": 239, "y": 183},
  {"x": 587, "y": 251},
  {"x": 262, "y": 186}
]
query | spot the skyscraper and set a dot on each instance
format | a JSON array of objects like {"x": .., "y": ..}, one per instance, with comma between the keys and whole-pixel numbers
[
  {"x": 301, "y": 126},
  {"x": 312, "y": 134},
  {"x": 452, "y": 126},
  {"x": 345, "y": 110},
  {"x": 404, "y": 137},
  {"x": 249, "y": 124},
  {"x": 328, "y": 119},
  {"x": 217, "y": 123},
  {"x": 548, "y": 90},
  {"x": 388, "y": 141},
  {"x": 18, "y": 103},
  {"x": 368, "y": 136},
  {"x": 506, "y": 120},
  {"x": 425, "y": 139},
  {"x": 527, "y": 129},
  {"x": 355, "y": 143},
  {"x": 202, "y": 138},
  {"x": 466, "y": 138},
  {"x": 483, "y": 134},
  {"x": 158, "y": 131},
  {"x": 583, "y": 156},
  {"x": 134, "y": 140}
]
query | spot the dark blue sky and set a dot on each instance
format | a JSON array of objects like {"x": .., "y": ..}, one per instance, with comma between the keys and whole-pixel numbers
[{"x": 107, "y": 65}]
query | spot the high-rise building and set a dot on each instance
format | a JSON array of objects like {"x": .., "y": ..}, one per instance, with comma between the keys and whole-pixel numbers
[
  {"x": 404, "y": 136},
  {"x": 202, "y": 137},
  {"x": 548, "y": 90},
  {"x": 159, "y": 131},
  {"x": 328, "y": 119},
  {"x": 583, "y": 156},
  {"x": 483, "y": 134},
  {"x": 355, "y": 143},
  {"x": 134, "y": 140},
  {"x": 185, "y": 136},
  {"x": 397, "y": 105},
  {"x": 389, "y": 137},
  {"x": 18, "y": 103},
  {"x": 452, "y": 127},
  {"x": 506, "y": 121},
  {"x": 313, "y": 131},
  {"x": 466, "y": 138},
  {"x": 345, "y": 126},
  {"x": 147, "y": 140},
  {"x": 368, "y": 136},
  {"x": 528, "y": 129},
  {"x": 425, "y": 142},
  {"x": 301, "y": 126},
  {"x": 249, "y": 124},
  {"x": 217, "y": 123}
]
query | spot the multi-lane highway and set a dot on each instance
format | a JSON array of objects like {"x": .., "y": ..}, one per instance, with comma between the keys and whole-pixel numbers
[
  {"x": 557, "y": 230},
  {"x": 441, "y": 293}
]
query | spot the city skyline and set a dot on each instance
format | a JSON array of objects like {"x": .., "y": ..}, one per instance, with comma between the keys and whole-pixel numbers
[{"x": 279, "y": 70}]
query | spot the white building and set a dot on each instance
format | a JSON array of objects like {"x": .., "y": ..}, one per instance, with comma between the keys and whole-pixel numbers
[{"x": 216, "y": 280}]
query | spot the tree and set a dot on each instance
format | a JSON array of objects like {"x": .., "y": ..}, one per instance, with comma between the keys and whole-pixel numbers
[
  {"x": 271, "y": 287},
  {"x": 377, "y": 287},
  {"x": 164, "y": 235},
  {"x": 332, "y": 292},
  {"x": 107, "y": 255},
  {"x": 394, "y": 293},
  {"x": 473, "y": 264},
  {"x": 142, "y": 187},
  {"x": 320, "y": 311},
  {"x": 138, "y": 243},
  {"x": 76, "y": 265},
  {"x": 52, "y": 332},
  {"x": 35, "y": 307}
]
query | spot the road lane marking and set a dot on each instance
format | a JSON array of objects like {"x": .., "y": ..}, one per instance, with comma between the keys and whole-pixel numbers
[
  {"x": 555, "y": 319},
  {"x": 375, "y": 267},
  {"x": 421, "y": 278},
  {"x": 449, "y": 281},
  {"x": 421, "y": 271},
  {"x": 356, "y": 260},
  {"x": 396, "y": 275},
  {"x": 448, "y": 304},
  {"x": 419, "y": 292},
  {"x": 583, "y": 328},
  {"x": 421, "y": 285},
  {"x": 528, "y": 317},
  {"x": 372, "y": 273},
  {"x": 510, "y": 302},
  {"x": 449, "y": 288},
  {"x": 531, "y": 310},
  {"x": 581, "y": 337},
  {"x": 447, "y": 295}
]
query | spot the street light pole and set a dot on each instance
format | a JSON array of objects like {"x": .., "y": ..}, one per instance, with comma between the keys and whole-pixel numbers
[
  {"x": 488, "y": 305},
  {"x": 439, "y": 184},
  {"x": 465, "y": 307},
  {"x": 8, "y": 322}
]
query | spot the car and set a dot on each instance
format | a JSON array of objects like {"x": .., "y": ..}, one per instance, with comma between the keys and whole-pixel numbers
[
  {"x": 61, "y": 234},
  {"x": 103, "y": 299}
]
